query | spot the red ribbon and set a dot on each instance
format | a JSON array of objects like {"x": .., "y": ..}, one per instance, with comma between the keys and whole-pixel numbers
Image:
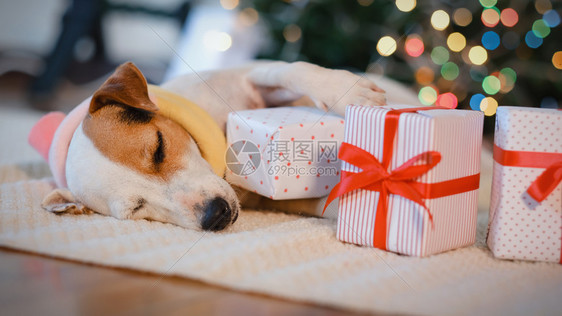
[
  {"x": 546, "y": 181},
  {"x": 400, "y": 181}
]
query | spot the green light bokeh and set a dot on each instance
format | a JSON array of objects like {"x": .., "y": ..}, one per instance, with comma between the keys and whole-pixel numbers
[
  {"x": 440, "y": 55},
  {"x": 510, "y": 75},
  {"x": 450, "y": 70},
  {"x": 488, "y": 3},
  {"x": 427, "y": 95},
  {"x": 540, "y": 28},
  {"x": 491, "y": 85}
]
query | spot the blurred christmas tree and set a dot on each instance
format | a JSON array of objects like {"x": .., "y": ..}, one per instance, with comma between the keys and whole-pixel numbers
[{"x": 466, "y": 54}]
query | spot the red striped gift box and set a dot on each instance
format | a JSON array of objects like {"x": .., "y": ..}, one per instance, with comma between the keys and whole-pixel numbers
[{"x": 409, "y": 178}]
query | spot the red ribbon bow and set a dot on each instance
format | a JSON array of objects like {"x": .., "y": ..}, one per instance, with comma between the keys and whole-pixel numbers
[
  {"x": 374, "y": 177},
  {"x": 547, "y": 181},
  {"x": 400, "y": 181}
]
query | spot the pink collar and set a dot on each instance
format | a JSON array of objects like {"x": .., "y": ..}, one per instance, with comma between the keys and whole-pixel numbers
[{"x": 51, "y": 137}]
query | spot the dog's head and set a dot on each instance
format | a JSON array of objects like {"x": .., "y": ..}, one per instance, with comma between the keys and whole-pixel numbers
[{"x": 128, "y": 161}]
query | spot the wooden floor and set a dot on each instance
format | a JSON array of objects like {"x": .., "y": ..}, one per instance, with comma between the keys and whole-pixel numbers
[{"x": 37, "y": 285}]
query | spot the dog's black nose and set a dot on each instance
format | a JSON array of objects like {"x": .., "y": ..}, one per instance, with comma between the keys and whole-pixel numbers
[{"x": 217, "y": 215}]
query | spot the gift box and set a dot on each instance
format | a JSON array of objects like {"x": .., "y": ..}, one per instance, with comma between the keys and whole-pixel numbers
[
  {"x": 409, "y": 180},
  {"x": 284, "y": 153},
  {"x": 525, "y": 219}
]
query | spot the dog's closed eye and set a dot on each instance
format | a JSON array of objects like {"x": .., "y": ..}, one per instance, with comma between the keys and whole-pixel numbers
[
  {"x": 158, "y": 156},
  {"x": 140, "y": 204}
]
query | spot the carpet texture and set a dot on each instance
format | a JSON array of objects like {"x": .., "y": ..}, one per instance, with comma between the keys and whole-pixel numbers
[{"x": 271, "y": 253}]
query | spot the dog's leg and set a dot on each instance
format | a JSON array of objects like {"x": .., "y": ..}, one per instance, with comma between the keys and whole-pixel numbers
[{"x": 329, "y": 89}]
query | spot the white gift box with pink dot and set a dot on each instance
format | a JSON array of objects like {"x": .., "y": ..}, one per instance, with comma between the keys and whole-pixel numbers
[
  {"x": 285, "y": 152},
  {"x": 519, "y": 226}
]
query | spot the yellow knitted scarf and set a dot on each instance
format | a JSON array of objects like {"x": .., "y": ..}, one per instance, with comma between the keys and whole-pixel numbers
[{"x": 198, "y": 123}]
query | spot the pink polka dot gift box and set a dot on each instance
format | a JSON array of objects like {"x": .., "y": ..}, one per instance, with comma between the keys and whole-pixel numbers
[
  {"x": 285, "y": 152},
  {"x": 525, "y": 219},
  {"x": 409, "y": 179}
]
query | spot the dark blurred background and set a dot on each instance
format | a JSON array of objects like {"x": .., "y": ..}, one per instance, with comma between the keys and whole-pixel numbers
[{"x": 466, "y": 54}]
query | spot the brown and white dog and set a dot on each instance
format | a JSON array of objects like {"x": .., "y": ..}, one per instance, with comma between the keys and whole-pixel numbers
[{"x": 128, "y": 161}]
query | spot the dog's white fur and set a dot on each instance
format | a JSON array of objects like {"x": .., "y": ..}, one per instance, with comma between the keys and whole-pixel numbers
[
  {"x": 120, "y": 191},
  {"x": 107, "y": 187}
]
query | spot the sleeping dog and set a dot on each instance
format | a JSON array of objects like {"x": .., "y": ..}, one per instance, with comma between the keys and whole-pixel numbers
[{"x": 136, "y": 151}]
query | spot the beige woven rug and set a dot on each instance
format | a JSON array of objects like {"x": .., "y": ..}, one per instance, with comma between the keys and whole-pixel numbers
[{"x": 276, "y": 254}]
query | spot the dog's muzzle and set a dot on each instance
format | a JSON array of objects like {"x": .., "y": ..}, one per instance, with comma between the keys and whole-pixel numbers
[{"x": 217, "y": 215}]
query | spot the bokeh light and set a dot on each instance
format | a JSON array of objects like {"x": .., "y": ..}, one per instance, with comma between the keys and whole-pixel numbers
[
  {"x": 491, "y": 85},
  {"x": 532, "y": 40},
  {"x": 507, "y": 77},
  {"x": 475, "y": 101},
  {"x": 427, "y": 95},
  {"x": 439, "y": 55},
  {"x": 229, "y": 4},
  {"x": 551, "y": 18},
  {"x": 557, "y": 60},
  {"x": 218, "y": 41},
  {"x": 386, "y": 46},
  {"x": 424, "y": 75},
  {"x": 462, "y": 17},
  {"x": 510, "y": 40},
  {"x": 490, "y": 40},
  {"x": 249, "y": 16},
  {"x": 292, "y": 33},
  {"x": 509, "y": 17},
  {"x": 540, "y": 28},
  {"x": 489, "y": 106},
  {"x": 478, "y": 55},
  {"x": 405, "y": 5},
  {"x": 450, "y": 71},
  {"x": 462, "y": 54},
  {"x": 447, "y": 100},
  {"x": 490, "y": 17},
  {"x": 456, "y": 41},
  {"x": 414, "y": 45},
  {"x": 440, "y": 20},
  {"x": 510, "y": 74},
  {"x": 542, "y": 6},
  {"x": 488, "y": 3}
]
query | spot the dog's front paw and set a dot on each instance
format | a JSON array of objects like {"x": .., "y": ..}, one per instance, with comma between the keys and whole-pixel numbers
[
  {"x": 342, "y": 88},
  {"x": 61, "y": 201}
]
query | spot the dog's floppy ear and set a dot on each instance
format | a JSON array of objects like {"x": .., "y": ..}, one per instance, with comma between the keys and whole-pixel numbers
[
  {"x": 61, "y": 201},
  {"x": 126, "y": 86}
]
